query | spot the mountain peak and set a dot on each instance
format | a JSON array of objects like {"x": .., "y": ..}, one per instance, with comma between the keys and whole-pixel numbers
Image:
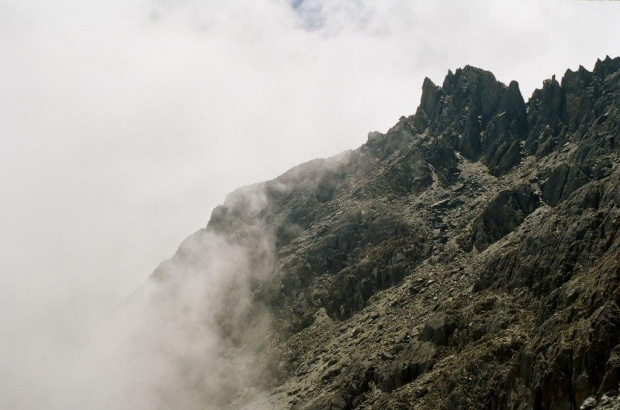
[
  {"x": 432, "y": 267},
  {"x": 477, "y": 113}
]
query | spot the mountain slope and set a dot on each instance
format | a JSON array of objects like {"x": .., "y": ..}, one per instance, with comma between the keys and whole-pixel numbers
[{"x": 467, "y": 258}]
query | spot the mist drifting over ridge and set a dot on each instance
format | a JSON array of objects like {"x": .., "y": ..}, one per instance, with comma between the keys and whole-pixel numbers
[
  {"x": 189, "y": 338},
  {"x": 125, "y": 124}
]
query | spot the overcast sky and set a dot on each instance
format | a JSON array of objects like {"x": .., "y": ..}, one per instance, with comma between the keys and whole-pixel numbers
[{"x": 124, "y": 122}]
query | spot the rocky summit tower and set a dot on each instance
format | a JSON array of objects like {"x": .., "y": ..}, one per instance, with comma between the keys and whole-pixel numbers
[{"x": 469, "y": 258}]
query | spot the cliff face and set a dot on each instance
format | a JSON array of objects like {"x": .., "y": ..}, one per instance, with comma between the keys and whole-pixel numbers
[{"x": 467, "y": 258}]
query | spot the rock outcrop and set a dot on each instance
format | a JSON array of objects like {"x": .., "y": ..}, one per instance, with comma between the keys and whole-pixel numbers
[{"x": 468, "y": 258}]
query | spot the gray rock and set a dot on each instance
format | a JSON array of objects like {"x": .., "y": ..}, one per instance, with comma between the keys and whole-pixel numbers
[
  {"x": 438, "y": 329},
  {"x": 465, "y": 258},
  {"x": 589, "y": 403}
]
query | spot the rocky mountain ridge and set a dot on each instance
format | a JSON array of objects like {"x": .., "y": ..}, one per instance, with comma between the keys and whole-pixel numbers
[{"x": 468, "y": 258}]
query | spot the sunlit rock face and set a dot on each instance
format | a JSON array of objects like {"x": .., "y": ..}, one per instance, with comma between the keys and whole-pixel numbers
[{"x": 467, "y": 258}]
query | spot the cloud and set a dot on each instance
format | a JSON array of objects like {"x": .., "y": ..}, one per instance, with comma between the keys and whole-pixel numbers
[
  {"x": 125, "y": 122},
  {"x": 190, "y": 338}
]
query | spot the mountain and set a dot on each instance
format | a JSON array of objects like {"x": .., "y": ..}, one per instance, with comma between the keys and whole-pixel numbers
[{"x": 468, "y": 258}]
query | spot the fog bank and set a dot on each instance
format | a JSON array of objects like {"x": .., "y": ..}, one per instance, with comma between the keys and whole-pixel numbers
[{"x": 125, "y": 122}]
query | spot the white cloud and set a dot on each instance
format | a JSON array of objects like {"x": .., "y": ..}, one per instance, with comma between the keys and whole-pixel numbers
[{"x": 125, "y": 122}]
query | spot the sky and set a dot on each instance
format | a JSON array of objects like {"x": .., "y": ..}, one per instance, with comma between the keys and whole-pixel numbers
[{"x": 123, "y": 123}]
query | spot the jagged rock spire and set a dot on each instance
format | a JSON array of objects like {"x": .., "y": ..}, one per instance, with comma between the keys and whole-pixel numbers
[{"x": 480, "y": 116}]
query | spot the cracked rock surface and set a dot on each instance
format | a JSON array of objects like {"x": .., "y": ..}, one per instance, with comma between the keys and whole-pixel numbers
[{"x": 468, "y": 258}]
